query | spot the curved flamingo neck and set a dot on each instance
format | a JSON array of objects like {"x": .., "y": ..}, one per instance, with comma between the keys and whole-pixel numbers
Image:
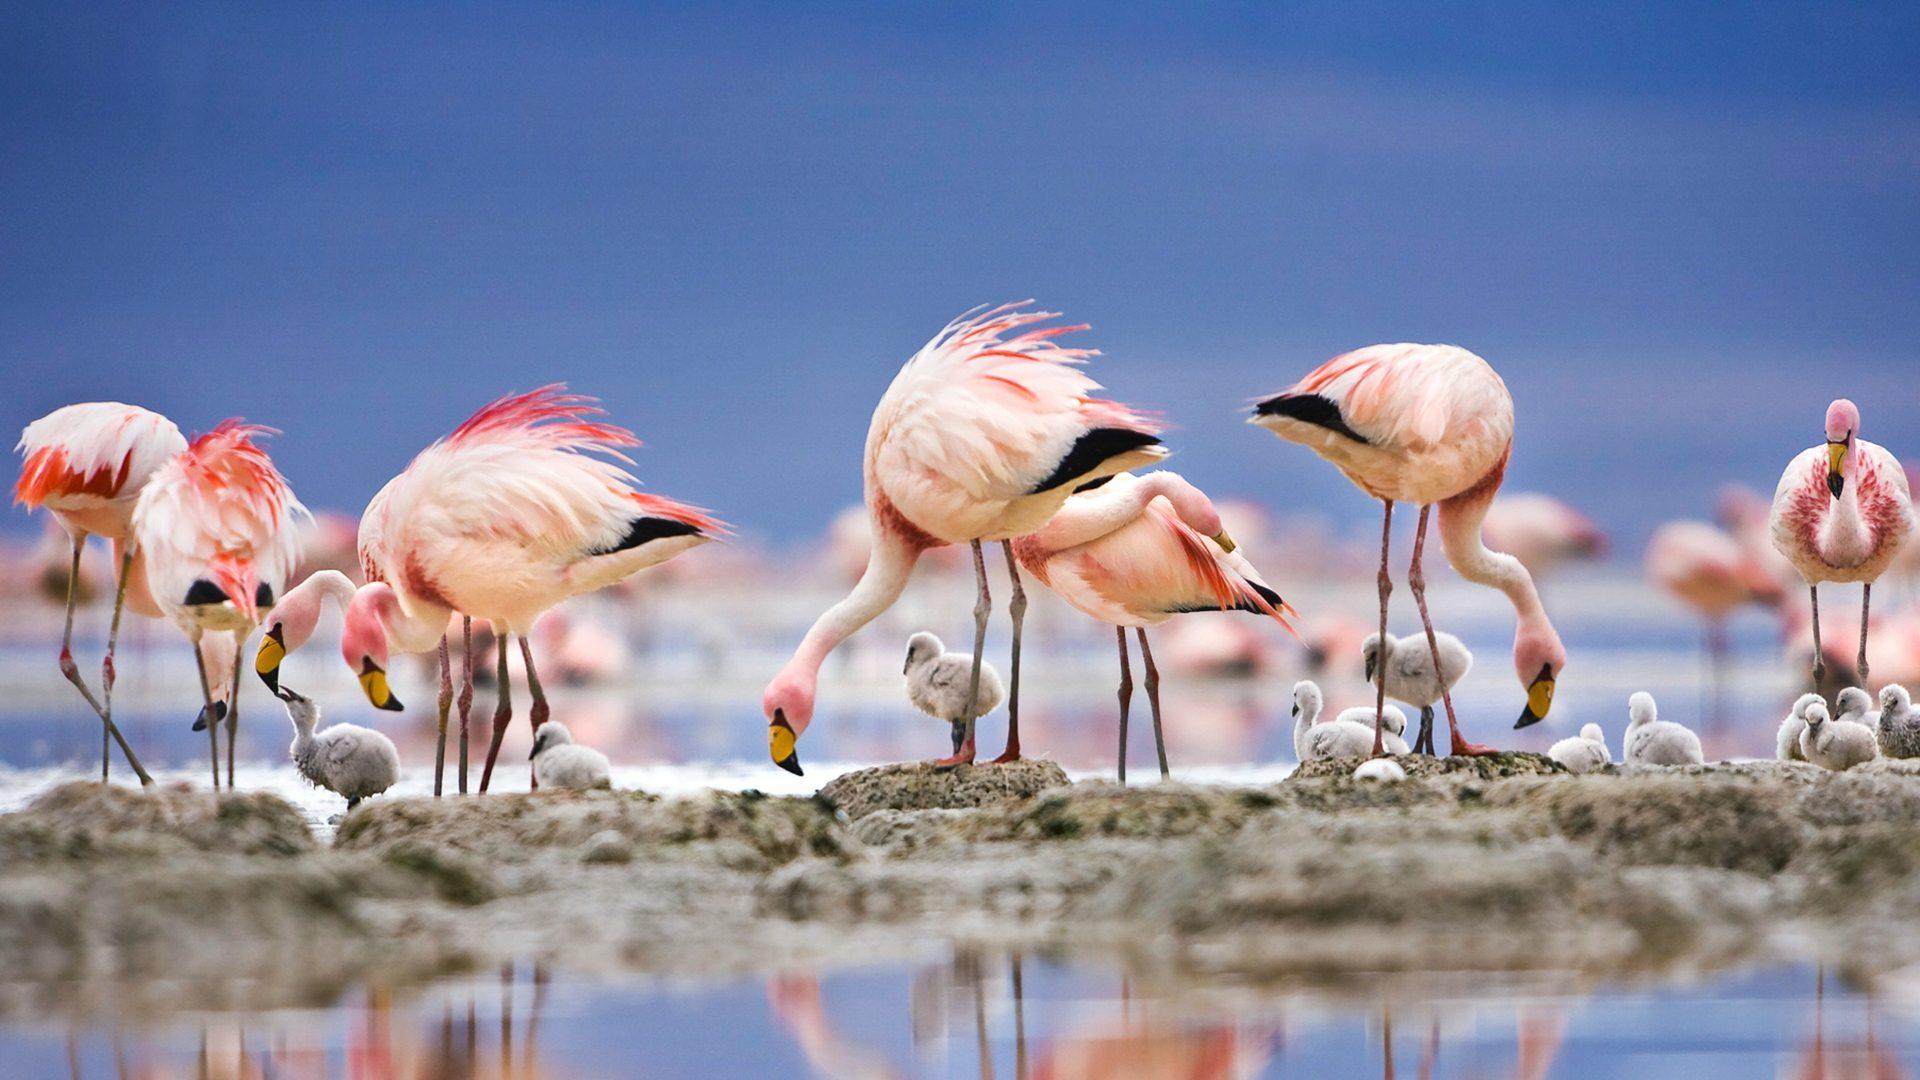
[
  {"x": 407, "y": 629},
  {"x": 888, "y": 567},
  {"x": 1461, "y": 518}
]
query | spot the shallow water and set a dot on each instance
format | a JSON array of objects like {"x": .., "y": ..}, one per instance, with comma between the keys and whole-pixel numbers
[{"x": 967, "y": 1014}]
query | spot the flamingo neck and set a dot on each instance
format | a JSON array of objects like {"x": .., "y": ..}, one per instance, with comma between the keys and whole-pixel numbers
[
  {"x": 409, "y": 629},
  {"x": 1844, "y": 539},
  {"x": 1460, "y": 521},
  {"x": 888, "y": 568}
]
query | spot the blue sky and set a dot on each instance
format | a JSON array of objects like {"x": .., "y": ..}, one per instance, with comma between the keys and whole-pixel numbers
[{"x": 1676, "y": 230}]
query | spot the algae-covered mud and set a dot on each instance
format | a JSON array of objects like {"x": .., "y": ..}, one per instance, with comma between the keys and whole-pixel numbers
[{"x": 119, "y": 903}]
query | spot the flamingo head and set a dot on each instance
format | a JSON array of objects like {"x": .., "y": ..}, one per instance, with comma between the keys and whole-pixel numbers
[
  {"x": 293, "y": 621},
  {"x": 363, "y": 643},
  {"x": 1538, "y": 658},
  {"x": 788, "y": 705},
  {"x": 1843, "y": 423},
  {"x": 1306, "y": 699},
  {"x": 1894, "y": 699},
  {"x": 1642, "y": 710},
  {"x": 1816, "y": 716}
]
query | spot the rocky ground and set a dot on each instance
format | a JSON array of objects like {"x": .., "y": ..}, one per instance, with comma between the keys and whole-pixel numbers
[{"x": 115, "y": 899}]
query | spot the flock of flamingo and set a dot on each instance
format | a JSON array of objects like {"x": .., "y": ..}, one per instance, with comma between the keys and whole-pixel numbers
[{"x": 992, "y": 431}]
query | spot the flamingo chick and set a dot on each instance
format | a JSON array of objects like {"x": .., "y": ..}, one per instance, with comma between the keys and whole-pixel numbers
[
  {"x": 1583, "y": 753},
  {"x": 559, "y": 762},
  {"x": 86, "y": 465},
  {"x": 1393, "y": 723},
  {"x": 1653, "y": 741},
  {"x": 1899, "y": 726},
  {"x": 1786, "y": 741},
  {"x": 1134, "y": 552},
  {"x": 1833, "y": 744},
  {"x": 1385, "y": 769},
  {"x": 218, "y": 532},
  {"x": 1335, "y": 738},
  {"x": 1409, "y": 674},
  {"x": 982, "y": 435},
  {"x": 939, "y": 684},
  {"x": 1427, "y": 424},
  {"x": 346, "y": 759},
  {"x": 1840, "y": 514}
]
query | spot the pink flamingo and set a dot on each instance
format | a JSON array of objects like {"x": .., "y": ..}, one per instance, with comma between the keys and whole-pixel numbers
[
  {"x": 1426, "y": 424},
  {"x": 1135, "y": 552},
  {"x": 1840, "y": 514},
  {"x": 981, "y": 436},
  {"x": 87, "y": 464},
  {"x": 217, "y": 531},
  {"x": 503, "y": 519},
  {"x": 1710, "y": 571},
  {"x": 1542, "y": 532}
]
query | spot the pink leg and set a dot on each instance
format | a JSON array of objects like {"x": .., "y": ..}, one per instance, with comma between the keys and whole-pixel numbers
[
  {"x": 1386, "y": 590},
  {"x": 537, "y": 713},
  {"x": 1126, "y": 699},
  {"x": 107, "y": 676},
  {"x": 466, "y": 693},
  {"x": 1417, "y": 581},
  {"x": 1866, "y": 598},
  {"x": 1819, "y": 655},
  {"x": 446, "y": 706},
  {"x": 502, "y": 712},
  {"x": 981, "y": 609},
  {"x": 213, "y": 721},
  {"x": 1017, "y": 607},
  {"x": 1152, "y": 684}
]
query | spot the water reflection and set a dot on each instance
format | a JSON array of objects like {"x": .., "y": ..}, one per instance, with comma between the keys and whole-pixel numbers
[{"x": 1028, "y": 1017}]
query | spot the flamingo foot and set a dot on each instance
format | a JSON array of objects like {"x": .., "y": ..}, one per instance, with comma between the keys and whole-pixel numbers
[
  {"x": 963, "y": 756},
  {"x": 1011, "y": 754},
  {"x": 1463, "y": 748}
]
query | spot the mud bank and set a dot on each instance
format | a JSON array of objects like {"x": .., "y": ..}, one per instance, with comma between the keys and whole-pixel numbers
[{"x": 113, "y": 900}]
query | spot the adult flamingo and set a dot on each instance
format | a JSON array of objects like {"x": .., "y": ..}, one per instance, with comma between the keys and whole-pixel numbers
[
  {"x": 1426, "y": 424},
  {"x": 981, "y": 436},
  {"x": 1708, "y": 570},
  {"x": 217, "y": 527},
  {"x": 86, "y": 464},
  {"x": 1135, "y": 552},
  {"x": 501, "y": 520},
  {"x": 1840, "y": 514}
]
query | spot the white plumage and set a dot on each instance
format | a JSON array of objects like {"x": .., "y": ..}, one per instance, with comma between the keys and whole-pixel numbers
[
  {"x": 1786, "y": 741},
  {"x": 559, "y": 763},
  {"x": 1653, "y": 741},
  {"x": 1380, "y": 769},
  {"x": 1899, "y": 727},
  {"x": 1335, "y": 738},
  {"x": 346, "y": 759},
  {"x": 1406, "y": 664},
  {"x": 1836, "y": 744},
  {"x": 1583, "y": 753},
  {"x": 1393, "y": 726},
  {"x": 938, "y": 681}
]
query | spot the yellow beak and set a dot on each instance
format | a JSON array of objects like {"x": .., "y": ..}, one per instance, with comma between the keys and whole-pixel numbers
[
  {"x": 266, "y": 663},
  {"x": 1225, "y": 541},
  {"x": 780, "y": 744},
  {"x": 374, "y": 681},
  {"x": 1539, "y": 700},
  {"x": 1836, "y": 467}
]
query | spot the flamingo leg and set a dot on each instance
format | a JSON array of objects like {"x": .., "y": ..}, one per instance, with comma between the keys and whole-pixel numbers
[
  {"x": 502, "y": 711},
  {"x": 1866, "y": 598},
  {"x": 1126, "y": 699},
  {"x": 1152, "y": 683},
  {"x": 72, "y": 670},
  {"x": 537, "y": 714},
  {"x": 466, "y": 692},
  {"x": 1424, "y": 744},
  {"x": 981, "y": 609},
  {"x": 1386, "y": 590},
  {"x": 1819, "y": 655},
  {"x": 1017, "y": 607},
  {"x": 107, "y": 676},
  {"x": 1417, "y": 581},
  {"x": 446, "y": 706},
  {"x": 213, "y": 725},
  {"x": 233, "y": 701}
]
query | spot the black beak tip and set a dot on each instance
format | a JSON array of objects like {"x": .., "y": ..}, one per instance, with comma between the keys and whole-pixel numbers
[
  {"x": 1527, "y": 719},
  {"x": 1836, "y": 484},
  {"x": 392, "y": 705},
  {"x": 791, "y": 763},
  {"x": 272, "y": 679},
  {"x": 1370, "y": 667}
]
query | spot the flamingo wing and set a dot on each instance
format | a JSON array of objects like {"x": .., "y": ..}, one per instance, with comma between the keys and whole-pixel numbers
[
  {"x": 92, "y": 452},
  {"x": 1394, "y": 396}
]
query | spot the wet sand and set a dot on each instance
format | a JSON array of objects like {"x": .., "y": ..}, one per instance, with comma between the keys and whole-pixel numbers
[{"x": 116, "y": 901}]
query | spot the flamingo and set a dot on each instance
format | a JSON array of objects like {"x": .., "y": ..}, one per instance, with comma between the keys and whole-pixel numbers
[
  {"x": 218, "y": 532},
  {"x": 982, "y": 435},
  {"x": 86, "y": 464},
  {"x": 1712, "y": 572},
  {"x": 1426, "y": 424},
  {"x": 1135, "y": 552},
  {"x": 1542, "y": 532},
  {"x": 1840, "y": 514},
  {"x": 514, "y": 512}
]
